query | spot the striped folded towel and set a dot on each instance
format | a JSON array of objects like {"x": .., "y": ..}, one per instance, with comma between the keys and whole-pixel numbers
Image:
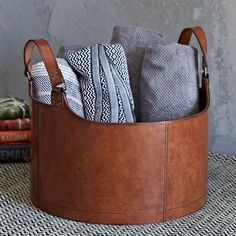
[
  {"x": 42, "y": 87},
  {"x": 103, "y": 76}
]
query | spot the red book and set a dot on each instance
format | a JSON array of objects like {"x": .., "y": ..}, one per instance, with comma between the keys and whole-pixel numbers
[
  {"x": 14, "y": 136},
  {"x": 15, "y": 124}
]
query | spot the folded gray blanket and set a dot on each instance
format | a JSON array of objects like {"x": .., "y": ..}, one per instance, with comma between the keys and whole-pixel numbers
[
  {"x": 68, "y": 47},
  {"x": 104, "y": 81},
  {"x": 134, "y": 41},
  {"x": 169, "y": 86}
]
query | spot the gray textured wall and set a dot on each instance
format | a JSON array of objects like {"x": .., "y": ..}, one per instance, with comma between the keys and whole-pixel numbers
[{"x": 91, "y": 21}]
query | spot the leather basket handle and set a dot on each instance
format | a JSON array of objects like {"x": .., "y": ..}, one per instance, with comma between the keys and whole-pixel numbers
[
  {"x": 55, "y": 75},
  {"x": 48, "y": 58},
  {"x": 199, "y": 33}
]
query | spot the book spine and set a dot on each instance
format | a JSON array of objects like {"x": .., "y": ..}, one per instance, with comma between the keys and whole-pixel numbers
[
  {"x": 13, "y": 108},
  {"x": 14, "y": 153},
  {"x": 14, "y": 136},
  {"x": 15, "y": 124}
]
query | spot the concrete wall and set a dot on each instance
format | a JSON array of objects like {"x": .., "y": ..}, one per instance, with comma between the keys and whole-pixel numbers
[{"x": 91, "y": 21}]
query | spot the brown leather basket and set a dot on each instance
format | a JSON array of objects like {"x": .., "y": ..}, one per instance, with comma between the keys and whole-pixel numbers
[{"x": 116, "y": 173}]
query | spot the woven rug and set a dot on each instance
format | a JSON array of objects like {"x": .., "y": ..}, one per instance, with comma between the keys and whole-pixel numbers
[{"x": 19, "y": 217}]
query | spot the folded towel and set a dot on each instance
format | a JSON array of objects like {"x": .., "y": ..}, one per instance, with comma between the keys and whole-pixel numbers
[
  {"x": 169, "y": 86},
  {"x": 42, "y": 87},
  {"x": 104, "y": 80},
  {"x": 134, "y": 41}
]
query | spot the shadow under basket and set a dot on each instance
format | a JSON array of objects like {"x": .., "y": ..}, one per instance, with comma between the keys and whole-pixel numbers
[{"x": 118, "y": 173}]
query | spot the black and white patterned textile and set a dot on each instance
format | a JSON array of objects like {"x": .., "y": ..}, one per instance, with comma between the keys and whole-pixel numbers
[
  {"x": 19, "y": 217},
  {"x": 104, "y": 80},
  {"x": 42, "y": 87}
]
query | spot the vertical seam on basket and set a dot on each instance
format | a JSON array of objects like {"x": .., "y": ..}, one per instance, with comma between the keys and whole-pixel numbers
[
  {"x": 165, "y": 172},
  {"x": 37, "y": 148}
]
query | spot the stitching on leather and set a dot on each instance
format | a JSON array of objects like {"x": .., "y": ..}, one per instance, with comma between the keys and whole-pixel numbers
[
  {"x": 101, "y": 212},
  {"x": 37, "y": 148},
  {"x": 67, "y": 108},
  {"x": 182, "y": 206},
  {"x": 165, "y": 173},
  {"x": 194, "y": 116}
]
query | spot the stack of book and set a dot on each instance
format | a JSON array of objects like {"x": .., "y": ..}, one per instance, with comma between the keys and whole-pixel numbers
[{"x": 14, "y": 130}]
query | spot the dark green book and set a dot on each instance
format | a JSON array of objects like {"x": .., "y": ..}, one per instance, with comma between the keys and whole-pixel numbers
[{"x": 13, "y": 108}]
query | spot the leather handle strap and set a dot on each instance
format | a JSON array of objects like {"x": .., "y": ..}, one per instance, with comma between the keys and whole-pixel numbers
[
  {"x": 199, "y": 33},
  {"x": 186, "y": 34},
  {"x": 48, "y": 58}
]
